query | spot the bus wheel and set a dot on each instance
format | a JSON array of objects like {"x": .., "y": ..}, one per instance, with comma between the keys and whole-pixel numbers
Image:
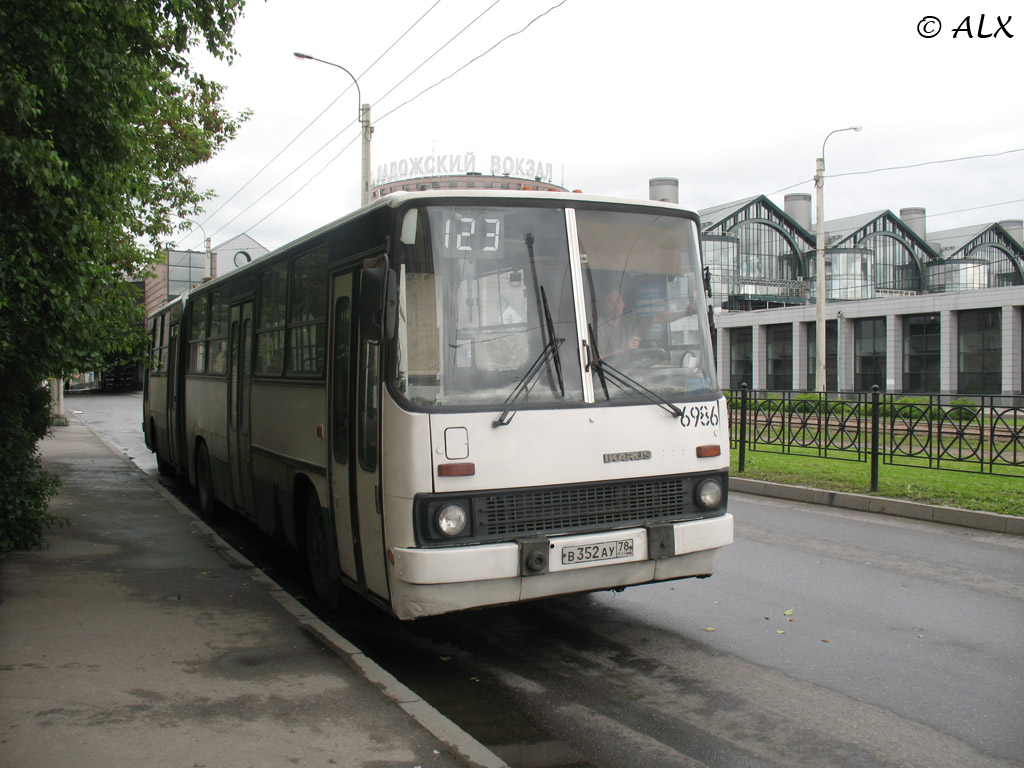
[
  {"x": 204, "y": 485},
  {"x": 323, "y": 574},
  {"x": 164, "y": 467}
]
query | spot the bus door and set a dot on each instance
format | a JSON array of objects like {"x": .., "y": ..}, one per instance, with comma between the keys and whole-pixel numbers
[
  {"x": 173, "y": 395},
  {"x": 239, "y": 391},
  {"x": 355, "y": 472}
]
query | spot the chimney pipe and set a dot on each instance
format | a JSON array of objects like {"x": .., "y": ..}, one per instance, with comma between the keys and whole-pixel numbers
[
  {"x": 798, "y": 207},
  {"x": 1015, "y": 228},
  {"x": 915, "y": 219},
  {"x": 664, "y": 189}
]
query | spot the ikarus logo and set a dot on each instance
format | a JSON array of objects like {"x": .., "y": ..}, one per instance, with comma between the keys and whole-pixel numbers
[{"x": 627, "y": 456}]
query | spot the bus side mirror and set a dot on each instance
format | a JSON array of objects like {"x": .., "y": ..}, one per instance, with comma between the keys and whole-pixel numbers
[{"x": 378, "y": 304}]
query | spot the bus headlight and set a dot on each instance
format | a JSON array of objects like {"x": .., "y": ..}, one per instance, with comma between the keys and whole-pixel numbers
[
  {"x": 709, "y": 494},
  {"x": 452, "y": 519}
]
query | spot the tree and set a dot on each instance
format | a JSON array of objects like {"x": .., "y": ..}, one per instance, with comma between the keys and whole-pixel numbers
[{"x": 101, "y": 117}]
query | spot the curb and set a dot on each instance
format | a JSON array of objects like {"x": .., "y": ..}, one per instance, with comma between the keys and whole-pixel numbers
[
  {"x": 410, "y": 702},
  {"x": 967, "y": 518}
]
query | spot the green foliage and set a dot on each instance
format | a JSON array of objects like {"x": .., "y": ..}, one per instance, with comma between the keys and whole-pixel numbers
[
  {"x": 967, "y": 490},
  {"x": 908, "y": 407},
  {"x": 806, "y": 402},
  {"x": 25, "y": 488},
  {"x": 101, "y": 117},
  {"x": 842, "y": 408},
  {"x": 733, "y": 399},
  {"x": 962, "y": 409},
  {"x": 914, "y": 409}
]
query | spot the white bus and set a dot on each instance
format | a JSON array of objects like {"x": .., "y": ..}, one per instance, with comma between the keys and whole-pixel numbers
[{"x": 448, "y": 400}]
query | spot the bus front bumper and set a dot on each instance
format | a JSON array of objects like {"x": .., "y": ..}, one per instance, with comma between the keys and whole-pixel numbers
[{"x": 429, "y": 581}]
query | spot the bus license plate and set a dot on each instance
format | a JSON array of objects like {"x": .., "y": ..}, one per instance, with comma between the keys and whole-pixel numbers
[{"x": 603, "y": 550}]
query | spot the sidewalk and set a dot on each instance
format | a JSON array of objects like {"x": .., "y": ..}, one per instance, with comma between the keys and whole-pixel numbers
[{"x": 138, "y": 638}]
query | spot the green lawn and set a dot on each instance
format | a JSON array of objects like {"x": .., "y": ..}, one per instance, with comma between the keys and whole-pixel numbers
[{"x": 990, "y": 493}]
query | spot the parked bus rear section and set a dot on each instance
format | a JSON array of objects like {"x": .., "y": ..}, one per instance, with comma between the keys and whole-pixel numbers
[{"x": 452, "y": 399}]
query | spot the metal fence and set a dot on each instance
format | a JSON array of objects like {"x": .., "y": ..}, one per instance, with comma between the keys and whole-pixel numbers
[{"x": 980, "y": 434}]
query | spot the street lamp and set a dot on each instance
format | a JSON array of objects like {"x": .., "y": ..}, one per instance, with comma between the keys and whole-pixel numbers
[
  {"x": 208, "y": 270},
  {"x": 819, "y": 299},
  {"x": 364, "y": 120}
]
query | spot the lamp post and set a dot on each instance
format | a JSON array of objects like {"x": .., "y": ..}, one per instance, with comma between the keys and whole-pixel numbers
[
  {"x": 208, "y": 269},
  {"x": 364, "y": 121},
  {"x": 819, "y": 298}
]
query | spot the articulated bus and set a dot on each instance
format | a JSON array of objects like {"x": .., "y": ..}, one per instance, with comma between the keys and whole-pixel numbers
[{"x": 456, "y": 399}]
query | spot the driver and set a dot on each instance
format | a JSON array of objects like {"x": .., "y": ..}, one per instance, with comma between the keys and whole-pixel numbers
[{"x": 622, "y": 331}]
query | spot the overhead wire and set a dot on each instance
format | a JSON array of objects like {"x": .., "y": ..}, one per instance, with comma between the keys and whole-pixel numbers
[
  {"x": 899, "y": 168},
  {"x": 920, "y": 165},
  {"x": 335, "y": 137},
  {"x": 977, "y": 208},
  {"x": 474, "y": 59},
  {"x": 405, "y": 103},
  {"x": 314, "y": 120}
]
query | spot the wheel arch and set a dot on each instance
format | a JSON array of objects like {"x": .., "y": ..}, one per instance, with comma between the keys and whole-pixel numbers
[{"x": 303, "y": 490}]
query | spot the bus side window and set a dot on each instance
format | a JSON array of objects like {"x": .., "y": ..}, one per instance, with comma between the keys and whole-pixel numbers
[
  {"x": 154, "y": 345},
  {"x": 342, "y": 355},
  {"x": 197, "y": 337},
  {"x": 368, "y": 398},
  {"x": 307, "y": 314},
  {"x": 161, "y": 344},
  {"x": 270, "y": 321}
]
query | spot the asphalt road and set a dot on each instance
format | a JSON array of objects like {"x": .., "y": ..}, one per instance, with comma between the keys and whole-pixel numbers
[{"x": 826, "y": 638}]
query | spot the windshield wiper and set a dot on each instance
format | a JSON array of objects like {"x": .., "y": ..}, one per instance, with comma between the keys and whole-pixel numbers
[
  {"x": 550, "y": 350},
  {"x": 606, "y": 371},
  {"x": 551, "y": 335}
]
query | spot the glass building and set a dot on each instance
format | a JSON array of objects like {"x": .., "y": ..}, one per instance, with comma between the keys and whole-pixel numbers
[
  {"x": 907, "y": 310},
  {"x": 757, "y": 255}
]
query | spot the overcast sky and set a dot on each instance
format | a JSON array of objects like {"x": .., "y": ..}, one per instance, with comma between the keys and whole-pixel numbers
[{"x": 732, "y": 98}]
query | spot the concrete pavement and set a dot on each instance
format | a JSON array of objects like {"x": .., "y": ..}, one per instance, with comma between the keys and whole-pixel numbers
[{"x": 138, "y": 638}]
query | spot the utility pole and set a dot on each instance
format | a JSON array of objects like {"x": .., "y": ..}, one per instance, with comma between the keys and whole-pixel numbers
[
  {"x": 819, "y": 294},
  {"x": 820, "y": 298},
  {"x": 367, "y": 130},
  {"x": 364, "y": 125}
]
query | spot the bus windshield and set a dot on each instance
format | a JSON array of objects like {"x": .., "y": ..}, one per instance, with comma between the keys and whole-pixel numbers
[
  {"x": 488, "y": 313},
  {"x": 645, "y": 305}
]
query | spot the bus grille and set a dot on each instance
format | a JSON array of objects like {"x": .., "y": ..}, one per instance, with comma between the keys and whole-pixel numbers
[{"x": 570, "y": 508}]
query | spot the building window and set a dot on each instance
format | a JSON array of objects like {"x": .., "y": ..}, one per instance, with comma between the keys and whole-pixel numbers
[
  {"x": 831, "y": 356},
  {"x": 184, "y": 269},
  {"x": 922, "y": 352},
  {"x": 980, "y": 351},
  {"x": 741, "y": 357},
  {"x": 869, "y": 344},
  {"x": 779, "y": 356}
]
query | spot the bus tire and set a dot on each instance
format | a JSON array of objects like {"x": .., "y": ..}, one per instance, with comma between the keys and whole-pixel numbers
[
  {"x": 323, "y": 573},
  {"x": 204, "y": 485},
  {"x": 164, "y": 467}
]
